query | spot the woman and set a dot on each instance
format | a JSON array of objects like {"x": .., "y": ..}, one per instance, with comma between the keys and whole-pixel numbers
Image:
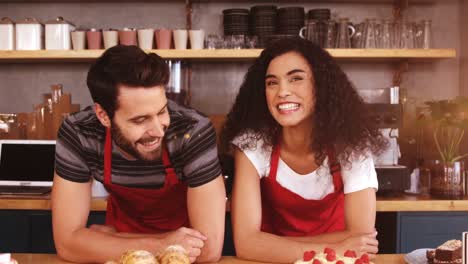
[{"x": 305, "y": 178}]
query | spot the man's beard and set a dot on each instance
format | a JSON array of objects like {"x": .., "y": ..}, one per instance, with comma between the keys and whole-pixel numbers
[{"x": 126, "y": 145}]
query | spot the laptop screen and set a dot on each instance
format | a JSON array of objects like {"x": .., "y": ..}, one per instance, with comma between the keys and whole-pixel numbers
[{"x": 28, "y": 162}]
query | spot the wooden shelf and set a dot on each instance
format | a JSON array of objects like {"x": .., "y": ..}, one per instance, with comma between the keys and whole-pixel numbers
[
  {"x": 393, "y": 54},
  {"x": 250, "y": 2},
  {"x": 227, "y": 55}
]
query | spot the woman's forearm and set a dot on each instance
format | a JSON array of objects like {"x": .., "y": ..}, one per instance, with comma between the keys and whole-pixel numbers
[
  {"x": 333, "y": 237},
  {"x": 267, "y": 247}
]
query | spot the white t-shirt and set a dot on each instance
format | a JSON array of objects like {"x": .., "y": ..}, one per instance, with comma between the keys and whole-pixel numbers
[{"x": 357, "y": 175}]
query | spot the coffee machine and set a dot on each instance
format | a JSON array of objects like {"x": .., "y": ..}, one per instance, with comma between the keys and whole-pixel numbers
[{"x": 387, "y": 112}]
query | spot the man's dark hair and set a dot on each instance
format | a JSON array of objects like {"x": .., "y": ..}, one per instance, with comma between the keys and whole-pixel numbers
[{"x": 124, "y": 65}]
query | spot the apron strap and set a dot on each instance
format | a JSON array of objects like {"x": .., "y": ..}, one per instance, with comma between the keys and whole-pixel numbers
[
  {"x": 171, "y": 176},
  {"x": 108, "y": 157},
  {"x": 335, "y": 169}
]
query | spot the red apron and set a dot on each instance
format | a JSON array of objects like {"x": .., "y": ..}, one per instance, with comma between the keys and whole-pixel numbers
[
  {"x": 287, "y": 214},
  {"x": 139, "y": 210}
]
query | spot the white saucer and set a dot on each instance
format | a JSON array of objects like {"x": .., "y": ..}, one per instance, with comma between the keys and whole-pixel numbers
[{"x": 417, "y": 256}]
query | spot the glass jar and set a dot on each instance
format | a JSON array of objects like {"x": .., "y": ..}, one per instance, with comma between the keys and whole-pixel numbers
[
  {"x": 427, "y": 34},
  {"x": 176, "y": 90},
  {"x": 447, "y": 179},
  {"x": 57, "y": 91},
  {"x": 9, "y": 128},
  {"x": 424, "y": 181}
]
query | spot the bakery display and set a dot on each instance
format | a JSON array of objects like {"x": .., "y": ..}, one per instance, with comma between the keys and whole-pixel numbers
[
  {"x": 174, "y": 254},
  {"x": 329, "y": 256},
  {"x": 449, "y": 252},
  {"x": 138, "y": 257}
]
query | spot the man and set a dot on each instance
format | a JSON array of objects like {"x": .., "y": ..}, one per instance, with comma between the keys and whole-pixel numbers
[{"x": 157, "y": 160}]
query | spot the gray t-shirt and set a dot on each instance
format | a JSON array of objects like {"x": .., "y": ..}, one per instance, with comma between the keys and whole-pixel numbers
[{"x": 190, "y": 140}]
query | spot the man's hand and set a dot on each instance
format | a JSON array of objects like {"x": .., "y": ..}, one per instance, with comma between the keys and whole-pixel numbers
[{"x": 191, "y": 239}]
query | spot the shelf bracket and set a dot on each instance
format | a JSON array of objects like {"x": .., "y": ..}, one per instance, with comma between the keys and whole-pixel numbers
[
  {"x": 401, "y": 68},
  {"x": 398, "y": 7}
]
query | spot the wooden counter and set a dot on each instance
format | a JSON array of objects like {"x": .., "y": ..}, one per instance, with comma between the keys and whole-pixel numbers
[
  {"x": 40, "y": 203},
  {"x": 414, "y": 203},
  {"x": 53, "y": 259},
  {"x": 384, "y": 204}
]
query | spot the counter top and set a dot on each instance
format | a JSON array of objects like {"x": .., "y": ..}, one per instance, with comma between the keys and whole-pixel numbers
[
  {"x": 17, "y": 202},
  {"x": 405, "y": 203},
  {"x": 53, "y": 259},
  {"x": 413, "y": 203}
]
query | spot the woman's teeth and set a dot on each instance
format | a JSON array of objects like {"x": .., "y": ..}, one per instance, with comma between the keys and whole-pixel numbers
[{"x": 288, "y": 106}]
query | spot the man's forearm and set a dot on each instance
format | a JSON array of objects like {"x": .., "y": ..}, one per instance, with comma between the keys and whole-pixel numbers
[
  {"x": 110, "y": 230},
  {"x": 207, "y": 210},
  {"x": 86, "y": 245}
]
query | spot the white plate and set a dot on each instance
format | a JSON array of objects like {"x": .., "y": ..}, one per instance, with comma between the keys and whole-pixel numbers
[{"x": 417, "y": 256}]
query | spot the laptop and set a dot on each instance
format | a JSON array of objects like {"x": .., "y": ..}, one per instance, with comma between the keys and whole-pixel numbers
[{"x": 26, "y": 166}]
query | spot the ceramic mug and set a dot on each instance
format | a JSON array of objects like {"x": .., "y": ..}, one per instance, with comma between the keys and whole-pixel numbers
[
  {"x": 78, "y": 40},
  {"x": 111, "y": 38},
  {"x": 145, "y": 38},
  {"x": 197, "y": 38},
  {"x": 180, "y": 39},
  {"x": 94, "y": 39},
  {"x": 163, "y": 38},
  {"x": 128, "y": 37}
]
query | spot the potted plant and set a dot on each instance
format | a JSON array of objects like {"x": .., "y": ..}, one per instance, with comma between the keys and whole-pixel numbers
[{"x": 448, "y": 119}]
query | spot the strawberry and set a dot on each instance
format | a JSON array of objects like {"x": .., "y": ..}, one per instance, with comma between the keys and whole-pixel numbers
[
  {"x": 365, "y": 258},
  {"x": 358, "y": 261},
  {"x": 350, "y": 254},
  {"x": 308, "y": 255},
  {"x": 328, "y": 251},
  {"x": 316, "y": 261},
  {"x": 339, "y": 262},
  {"x": 331, "y": 256}
]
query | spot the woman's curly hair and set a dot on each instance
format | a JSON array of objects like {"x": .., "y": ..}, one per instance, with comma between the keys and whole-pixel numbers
[{"x": 340, "y": 119}]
